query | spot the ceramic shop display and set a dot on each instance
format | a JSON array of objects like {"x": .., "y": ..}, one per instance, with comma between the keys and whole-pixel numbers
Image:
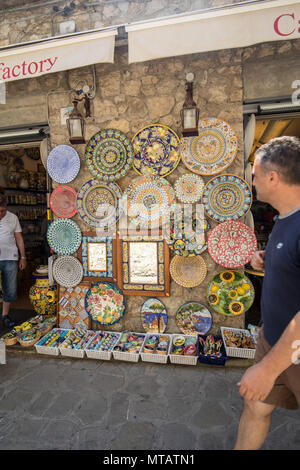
[
  {"x": 64, "y": 236},
  {"x": 213, "y": 150},
  {"x": 42, "y": 295},
  {"x": 188, "y": 272},
  {"x": 226, "y": 197},
  {"x": 230, "y": 293},
  {"x": 189, "y": 188},
  {"x": 156, "y": 150},
  {"x": 109, "y": 155},
  {"x": 105, "y": 303},
  {"x": 149, "y": 198},
  {"x": 193, "y": 318},
  {"x": 98, "y": 203},
  {"x": 188, "y": 235},
  {"x": 63, "y": 164},
  {"x": 231, "y": 244},
  {"x": 67, "y": 271},
  {"x": 154, "y": 316},
  {"x": 63, "y": 201}
]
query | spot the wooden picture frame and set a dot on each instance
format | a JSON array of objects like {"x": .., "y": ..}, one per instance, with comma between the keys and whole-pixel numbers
[
  {"x": 98, "y": 258},
  {"x": 143, "y": 265},
  {"x": 73, "y": 310}
]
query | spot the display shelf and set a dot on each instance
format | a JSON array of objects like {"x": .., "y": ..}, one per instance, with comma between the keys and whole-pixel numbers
[
  {"x": 42, "y": 191},
  {"x": 29, "y": 205}
]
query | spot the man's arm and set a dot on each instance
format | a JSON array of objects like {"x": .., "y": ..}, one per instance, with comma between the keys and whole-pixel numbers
[
  {"x": 259, "y": 379},
  {"x": 21, "y": 247}
]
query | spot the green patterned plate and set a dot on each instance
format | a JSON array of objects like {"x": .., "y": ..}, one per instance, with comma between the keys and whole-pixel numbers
[{"x": 64, "y": 236}]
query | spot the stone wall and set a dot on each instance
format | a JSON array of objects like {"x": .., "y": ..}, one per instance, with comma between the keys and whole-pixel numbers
[{"x": 130, "y": 97}]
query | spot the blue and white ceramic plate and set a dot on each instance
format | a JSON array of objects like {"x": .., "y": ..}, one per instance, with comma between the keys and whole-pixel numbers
[
  {"x": 64, "y": 236},
  {"x": 63, "y": 164}
]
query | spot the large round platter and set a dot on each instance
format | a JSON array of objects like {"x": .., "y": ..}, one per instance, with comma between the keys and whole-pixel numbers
[
  {"x": 189, "y": 242},
  {"x": 63, "y": 201},
  {"x": 193, "y": 318},
  {"x": 213, "y": 150},
  {"x": 98, "y": 203},
  {"x": 109, "y": 155},
  {"x": 188, "y": 272},
  {"x": 189, "y": 188},
  {"x": 154, "y": 316},
  {"x": 230, "y": 293},
  {"x": 226, "y": 197},
  {"x": 63, "y": 164},
  {"x": 64, "y": 236},
  {"x": 105, "y": 303},
  {"x": 149, "y": 198},
  {"x": 67, "y": 271},
  {"x": 231, "y": 244},
  {"x": 156, "y": 150}
]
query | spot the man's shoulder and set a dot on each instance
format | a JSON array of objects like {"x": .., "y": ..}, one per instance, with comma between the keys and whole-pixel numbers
[{"x": 11, "y": 216}]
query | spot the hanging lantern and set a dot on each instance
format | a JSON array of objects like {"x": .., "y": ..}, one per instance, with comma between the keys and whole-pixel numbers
[
  {"x": 189, "y": 113},
  {"x": 75, "y": 124}
]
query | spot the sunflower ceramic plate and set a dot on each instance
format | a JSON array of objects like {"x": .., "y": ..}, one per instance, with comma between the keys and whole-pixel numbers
[
  {"x": 193, "y": 318},
  {"x": 226, "y": 197},
  {"x": 230, "y": 293},
  {"x": 105, "y": 303},
  {"x": 149, "y": 198},
  {"x": 98, "y": 203},
  {"x": 213, "y": 150},
  {"x": 64, "y": 236},
  {"x": 109, "y": 155},
  {"x": 63, "y": 164},
  {"x": 156, "y": 150},
  {"x": 63, "y": 201},
  {"x": 187, "y": 235},
  {"x": 67, "y": 271},
  {"x": 231, "y": 244},
  {"x": 188, "y": 272},
  {"x": 154, "y": 316},
  {"x": 189, "y": 188}
]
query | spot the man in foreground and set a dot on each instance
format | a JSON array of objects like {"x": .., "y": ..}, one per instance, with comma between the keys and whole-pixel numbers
[
  {"x": 10, "y": 241},
  {"x": 274, "y": 380}
]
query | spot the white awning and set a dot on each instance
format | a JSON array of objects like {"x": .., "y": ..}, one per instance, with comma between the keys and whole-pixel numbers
[
  {"x": 55, "y": 55},
  {"x": 228, "y": 28}
]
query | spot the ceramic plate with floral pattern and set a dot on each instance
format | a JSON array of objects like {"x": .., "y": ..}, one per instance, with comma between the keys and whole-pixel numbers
[{"x": 105, "y": 303}]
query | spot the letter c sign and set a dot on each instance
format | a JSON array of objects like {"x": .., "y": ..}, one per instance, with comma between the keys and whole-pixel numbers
[{"x": 277, "y": 25}]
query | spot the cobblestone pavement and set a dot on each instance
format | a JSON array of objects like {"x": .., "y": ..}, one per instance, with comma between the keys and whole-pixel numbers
[{"x": 54, "y": 403}]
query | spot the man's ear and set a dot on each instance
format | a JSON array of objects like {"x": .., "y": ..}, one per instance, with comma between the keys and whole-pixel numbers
[{"x": 274, "y": 177}]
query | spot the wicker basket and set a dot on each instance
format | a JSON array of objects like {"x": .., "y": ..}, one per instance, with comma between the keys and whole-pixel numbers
[
  {"x": 158, "y": 358},
  {"x": 28, "y": 344},
  {"x": 10, "y": 341},
  {"x": 102, "y": 355},
  {"x": 238, "y": 352},
  {"x": 127, "y": 356},
  {"x": 181, "y": 359},
  {"x": 51, "y": 350},
  {"x": 71, "y": 352}
]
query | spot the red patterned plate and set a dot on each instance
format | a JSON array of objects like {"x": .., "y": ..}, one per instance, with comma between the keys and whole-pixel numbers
[
  {"x": 231, "y": 244},
  {"x": 63, "y": 201}
]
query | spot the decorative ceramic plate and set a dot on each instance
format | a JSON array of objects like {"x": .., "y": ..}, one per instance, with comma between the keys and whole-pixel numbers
[
  {"x": 156, "y": 150},
  {"x": 193, "y": 318},
  {"x": 109, "y": 155},
  {"x": 64, "y": 236},
  {"x": 148, "y": 199},
  {"x": 186, "y": 237},
  {"x": 63, "y": 164},
  {"x": 154, "y": 316},
  {"x": 249, "y": 136},
  {"x": 67, "y": 271},
  {"x": 213, "y": 150},
  {"x": 105, "y": 303},
  {"x": 63, "y": 201},
  {"x": 98, "y": 203},
  {"x": 226, "y": 197},
  {"x": 231, "y": 244},
  {"x": 248, "y": 174},
  {"x": 188, "y": 272},
  {"x": 230, "y": 293},
  {"x": 189, "y": 188}
]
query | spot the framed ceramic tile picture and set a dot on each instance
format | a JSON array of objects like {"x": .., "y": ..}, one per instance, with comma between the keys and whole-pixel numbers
[
  {"x": 70, "y": 306},
  {"x": 98, "y": 258},
  {"x": 143, "y": 265}
]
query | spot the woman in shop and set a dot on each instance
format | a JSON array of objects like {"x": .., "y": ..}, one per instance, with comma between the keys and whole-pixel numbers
[
  {"x": 274, "y": 380},
  {"x": 10, "y": 241}
]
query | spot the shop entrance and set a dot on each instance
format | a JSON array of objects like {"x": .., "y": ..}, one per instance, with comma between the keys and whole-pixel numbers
[
  {"x": 262, "y": 128},
  {"x": 23, "y": 180}
]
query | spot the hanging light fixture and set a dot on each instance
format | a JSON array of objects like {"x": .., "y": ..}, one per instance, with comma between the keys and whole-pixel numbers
[
  {"x": 75, "y": 124},
  {"x": 189, "y": 113}
]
